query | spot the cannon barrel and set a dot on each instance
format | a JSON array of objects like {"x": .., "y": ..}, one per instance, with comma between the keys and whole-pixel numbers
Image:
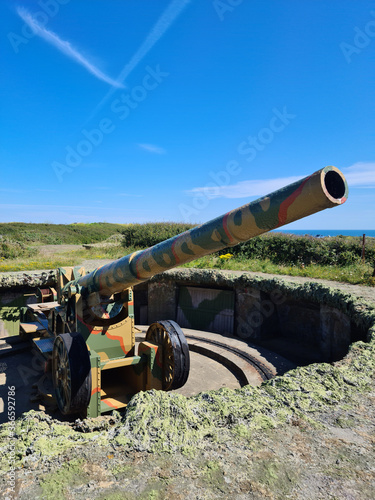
[{"x": 323, "y": 189}]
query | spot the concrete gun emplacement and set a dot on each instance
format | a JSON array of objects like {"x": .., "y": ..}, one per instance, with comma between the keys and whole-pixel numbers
[{"x": 86, "y": 329}]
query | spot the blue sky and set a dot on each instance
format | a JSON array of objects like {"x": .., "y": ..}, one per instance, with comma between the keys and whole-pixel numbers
[{"x": 136, "y": 111}]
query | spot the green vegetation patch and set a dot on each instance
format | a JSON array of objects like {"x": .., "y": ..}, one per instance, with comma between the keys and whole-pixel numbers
[
  {"x": 336, "y": 258},
  {"x": 55, "y": 484},
  {"x": 157, "y": 421},
  {"x": 56, "y": 234},
  {"x": 332, "y": 258},
  {"x": 279, "y": 248},
  {"x": 305, "y": 250},
  {"x": 38, "y": 436},
  {"x": 10, "y": 249},
  {"x": 147, "y": 235}
]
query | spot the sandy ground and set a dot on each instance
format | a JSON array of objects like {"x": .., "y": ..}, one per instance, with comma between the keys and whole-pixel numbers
[{"x": 51, "y": 250}]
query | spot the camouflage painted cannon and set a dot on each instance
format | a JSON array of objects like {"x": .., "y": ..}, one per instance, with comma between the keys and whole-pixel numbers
[{"x": 88, "y": 333}]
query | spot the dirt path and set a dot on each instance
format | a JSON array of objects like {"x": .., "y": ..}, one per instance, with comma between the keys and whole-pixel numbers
[{"x": 51, "y": 250}]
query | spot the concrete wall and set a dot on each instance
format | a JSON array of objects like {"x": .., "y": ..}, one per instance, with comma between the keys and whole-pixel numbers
[
  {"x": 268, "y": 312},
  {"x": 272, "y": 318},
  {"x": 16, "y": 290},
  {"x": 10, "y": 303},
  {"x": 161, "y": 301}
]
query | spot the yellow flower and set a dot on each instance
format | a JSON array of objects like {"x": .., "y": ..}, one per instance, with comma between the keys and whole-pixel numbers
[{"x": 226, "y": 256}]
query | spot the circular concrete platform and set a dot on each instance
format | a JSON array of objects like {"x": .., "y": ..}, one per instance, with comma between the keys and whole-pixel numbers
[{"x": 218, "y": 361}]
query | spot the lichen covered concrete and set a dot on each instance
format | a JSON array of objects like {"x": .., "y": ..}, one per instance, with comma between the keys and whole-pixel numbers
[{"x": 315, "y": 402}]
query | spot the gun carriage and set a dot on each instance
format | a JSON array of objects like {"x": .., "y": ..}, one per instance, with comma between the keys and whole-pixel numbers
[{"x": 86, "y": 329}]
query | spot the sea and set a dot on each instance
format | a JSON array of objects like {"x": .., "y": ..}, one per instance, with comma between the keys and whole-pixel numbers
[{"x": 320, "y": 233}]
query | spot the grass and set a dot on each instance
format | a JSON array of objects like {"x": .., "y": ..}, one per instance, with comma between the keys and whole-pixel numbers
[
  {"x": 56, "y": 234},
  {"x": 356, "y": 273},
  {"x": 70, "y": 258},
  {"x": 336, "y": 259}
]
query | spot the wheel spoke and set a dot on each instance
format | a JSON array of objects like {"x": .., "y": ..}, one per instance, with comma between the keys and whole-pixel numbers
[
  {"x": 61, "y": 374},
  {"x": 66, "y": 394},
  {"x": 175, "y": 352},
  {"x": 71, "y": 373}
]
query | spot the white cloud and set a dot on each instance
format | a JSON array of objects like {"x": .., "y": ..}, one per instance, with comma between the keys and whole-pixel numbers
[
  {"x": 65, "y": 47},
  {"x": 360, "y": 174},
  {"x": 151, "y": 148},
  {"x": 244, "y": 189}
]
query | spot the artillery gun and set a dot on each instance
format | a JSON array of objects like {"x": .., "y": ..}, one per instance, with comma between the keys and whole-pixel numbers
[{"x": 86, "y": 330}]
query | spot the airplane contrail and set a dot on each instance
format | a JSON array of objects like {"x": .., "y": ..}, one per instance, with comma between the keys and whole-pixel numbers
[
  {"x": 170, "y": 14},
  {"x": 65, "y": 47}
]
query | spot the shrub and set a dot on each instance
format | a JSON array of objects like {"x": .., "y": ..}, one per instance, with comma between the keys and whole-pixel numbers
[
  {"x": 10, "y": 249},
  {"x": 290, "y": 249},
  {"x": 147, "y": 235},
  {"x": 279, "y": 248},
  {"x": 55, "y": 234}
]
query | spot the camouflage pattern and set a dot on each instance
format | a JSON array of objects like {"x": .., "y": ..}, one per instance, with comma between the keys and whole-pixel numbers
[
  {"x": 11, "y": 306},
  {"x": 211, "y": 310},
  {"x": 325, "y": 188},
  {"x": 13, "y": 298},
  {"x": 32, "y": 279},
  {"x": 9, "y": 321},
  {"x": 99, "y": 306},
  {"x": 108, "y": 331}
]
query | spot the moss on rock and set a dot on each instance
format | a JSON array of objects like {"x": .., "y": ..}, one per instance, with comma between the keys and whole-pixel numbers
[{"x": 29, "y": 279}]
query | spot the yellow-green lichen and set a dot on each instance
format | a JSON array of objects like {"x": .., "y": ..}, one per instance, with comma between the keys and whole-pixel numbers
[
  {"x": 275, "y": 476},
  {"x": 54, "y": 484},
  {"x": 165, "y": 422},
  {"x": 212, "y": 475}
]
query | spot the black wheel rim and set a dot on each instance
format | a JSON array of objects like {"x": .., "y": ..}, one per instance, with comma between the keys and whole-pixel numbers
[
  {"x": 176, "y": 358},
  {"x": 61, "y": 375},
  {"x": 71, "y": 373}
]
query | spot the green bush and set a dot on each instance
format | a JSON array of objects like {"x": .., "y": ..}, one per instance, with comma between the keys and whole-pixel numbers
[
  {"x": 279, "y": 248},
  {"x": 56, "y": 234},
  {"x": 10, "y": 249},
  {"x": 147, "y": 235},
  {"x": 288, "y": 249}
]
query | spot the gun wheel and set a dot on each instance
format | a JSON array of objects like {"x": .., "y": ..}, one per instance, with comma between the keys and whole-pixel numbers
[
  {"x": 71, "y": 373},
  {"x": 176, "y": 358}
]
